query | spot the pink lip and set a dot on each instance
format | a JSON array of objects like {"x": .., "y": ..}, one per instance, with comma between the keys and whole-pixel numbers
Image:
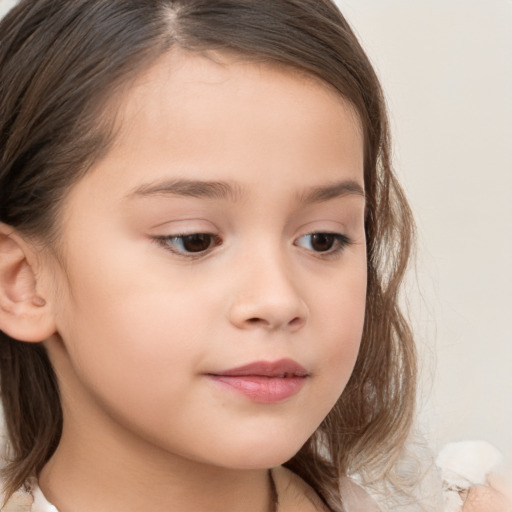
[{"x": 264, "y": 381}]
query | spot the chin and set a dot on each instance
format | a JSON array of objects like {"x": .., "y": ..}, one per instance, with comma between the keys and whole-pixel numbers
[{"x": 262, "y": 454}]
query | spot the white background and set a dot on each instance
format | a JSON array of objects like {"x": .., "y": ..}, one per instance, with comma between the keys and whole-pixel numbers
[{"x": 446, "y": 67}]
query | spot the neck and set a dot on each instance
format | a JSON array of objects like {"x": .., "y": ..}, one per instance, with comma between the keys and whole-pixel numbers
[
  {"x": 102, "y": 464},
  {"x": 87, "y": 473}
]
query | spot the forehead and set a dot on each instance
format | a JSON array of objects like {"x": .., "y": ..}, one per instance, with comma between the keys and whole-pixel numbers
[
  {"x": 212, "y": 92},
  {"x": 223, "y": 117},
  {"x": 187, "y": 72}
]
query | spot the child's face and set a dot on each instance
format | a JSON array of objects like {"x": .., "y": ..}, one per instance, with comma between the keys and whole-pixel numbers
[{"x": 255, "y": 160}]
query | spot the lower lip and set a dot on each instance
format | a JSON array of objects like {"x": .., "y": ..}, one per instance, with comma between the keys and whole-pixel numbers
[{"x": 265, "y": 390}]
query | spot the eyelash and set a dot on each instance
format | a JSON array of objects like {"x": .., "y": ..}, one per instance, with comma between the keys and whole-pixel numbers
[
  {"x": 338, "y": 242},
  {"x": 169, "y": 243}
]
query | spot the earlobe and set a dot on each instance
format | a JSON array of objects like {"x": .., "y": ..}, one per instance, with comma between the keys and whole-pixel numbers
[{"x": 24, "y": 313}]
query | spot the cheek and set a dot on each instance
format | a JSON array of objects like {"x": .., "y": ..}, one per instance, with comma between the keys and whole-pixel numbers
[
  {"x": 135, "y": 360},
  {"x": 126, "y": 332},
  {"x": 338, "y": 318},
  {"x": 144, "y": 330}
]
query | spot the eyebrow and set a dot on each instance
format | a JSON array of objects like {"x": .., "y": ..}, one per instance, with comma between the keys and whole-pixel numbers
[
  {"x": 226, "y": 190},
  {"x": 331, "y": 191},
  {"x": 190, "y": 188}
]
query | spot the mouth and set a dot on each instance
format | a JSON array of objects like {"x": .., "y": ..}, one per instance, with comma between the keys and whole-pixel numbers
[{"x": 263, "y": 381}]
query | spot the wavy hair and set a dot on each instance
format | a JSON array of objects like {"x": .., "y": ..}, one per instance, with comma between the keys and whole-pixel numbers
[{"x": 62, "y": 62}]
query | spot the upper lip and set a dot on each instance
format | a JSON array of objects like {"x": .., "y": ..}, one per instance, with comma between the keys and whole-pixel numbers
[{"x": 282, "y": 368}]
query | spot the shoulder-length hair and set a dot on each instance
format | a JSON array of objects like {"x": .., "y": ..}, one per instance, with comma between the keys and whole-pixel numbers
[{"x": 61, "y": 62}]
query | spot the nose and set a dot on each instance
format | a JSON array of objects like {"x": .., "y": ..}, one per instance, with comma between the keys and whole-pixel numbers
[{"x": 267, "y": 297}]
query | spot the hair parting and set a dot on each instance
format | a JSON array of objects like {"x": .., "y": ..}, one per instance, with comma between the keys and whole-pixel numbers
[{"x": 62, "y": 68}]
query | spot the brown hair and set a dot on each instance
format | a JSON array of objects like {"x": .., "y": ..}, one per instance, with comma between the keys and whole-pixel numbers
[{"x": 61, "y": 63}]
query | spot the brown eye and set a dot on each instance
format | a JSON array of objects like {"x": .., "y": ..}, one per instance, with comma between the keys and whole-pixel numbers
[
  {"x": 323, "y": 242},
  {"x": 194, "y": 243},
  {"x": 198, "y": 242}
]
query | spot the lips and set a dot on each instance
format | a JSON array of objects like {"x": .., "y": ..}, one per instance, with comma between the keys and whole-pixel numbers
[
  {"x": 276, "y": 369},
  {"x": 264, "y": 381}
]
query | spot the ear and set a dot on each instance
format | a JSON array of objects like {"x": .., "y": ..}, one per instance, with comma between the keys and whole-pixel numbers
[{"x": 24, "y": 314}]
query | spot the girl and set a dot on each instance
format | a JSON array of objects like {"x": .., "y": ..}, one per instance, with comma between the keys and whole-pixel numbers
[{"x": 201, "y": 245}]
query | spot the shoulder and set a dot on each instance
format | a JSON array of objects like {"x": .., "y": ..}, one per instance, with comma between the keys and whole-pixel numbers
[
  {"x": 28, "y": 499},
  {"x": 295, "y": 495},
  {"x": 465, "y": 477},
  {"x": 21, "y": 501},
  {"x": 355, "y": 498}
]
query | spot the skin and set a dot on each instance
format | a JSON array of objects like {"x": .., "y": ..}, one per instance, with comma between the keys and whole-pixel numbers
[
  {"x": 133, "y": 326},
  {"x": 139, "y": 323}
]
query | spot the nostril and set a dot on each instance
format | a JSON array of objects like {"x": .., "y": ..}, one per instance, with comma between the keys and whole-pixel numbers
[{"x": 295, "y": 322}]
